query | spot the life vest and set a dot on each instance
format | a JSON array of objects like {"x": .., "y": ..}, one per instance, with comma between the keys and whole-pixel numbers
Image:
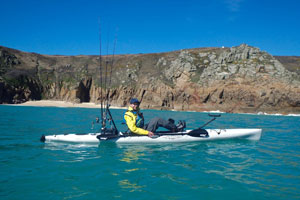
[{"x": 135, "y": 121}]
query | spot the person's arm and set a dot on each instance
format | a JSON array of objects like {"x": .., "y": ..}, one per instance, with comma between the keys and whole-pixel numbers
[{"x": 132, "y": 126}]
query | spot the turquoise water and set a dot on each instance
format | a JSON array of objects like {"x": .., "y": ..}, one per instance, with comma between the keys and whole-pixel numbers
[{"x": 29, "y": 169}]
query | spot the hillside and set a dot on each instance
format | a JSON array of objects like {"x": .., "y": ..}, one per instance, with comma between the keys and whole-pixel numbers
[
  {"x": 291, "y": 63},
  {"x": 237, "y": 79}
]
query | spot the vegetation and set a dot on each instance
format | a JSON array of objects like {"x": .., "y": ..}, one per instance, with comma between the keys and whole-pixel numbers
[{"x": 291, "y": 63}]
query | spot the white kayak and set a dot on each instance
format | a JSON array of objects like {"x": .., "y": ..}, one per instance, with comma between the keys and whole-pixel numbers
[{"x": 185, "y": 136}]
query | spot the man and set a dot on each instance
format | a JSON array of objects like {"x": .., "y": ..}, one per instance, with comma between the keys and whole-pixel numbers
[{"x": 135, "y": 121}]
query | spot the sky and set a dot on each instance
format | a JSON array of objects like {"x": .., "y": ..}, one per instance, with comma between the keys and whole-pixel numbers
[{"x": 72, "y": 27}]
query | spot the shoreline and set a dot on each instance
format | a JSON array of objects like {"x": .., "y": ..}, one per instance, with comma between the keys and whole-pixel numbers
[
  {"x": 66, "y": 104},
  {"x": 61, "y": 104}
]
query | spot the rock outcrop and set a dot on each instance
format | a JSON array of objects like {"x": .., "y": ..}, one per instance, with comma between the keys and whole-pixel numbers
[{"x": 237, "y": 79}]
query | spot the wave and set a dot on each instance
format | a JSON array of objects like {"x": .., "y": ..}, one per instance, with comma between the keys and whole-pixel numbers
[{"x": 272, "y": 114}]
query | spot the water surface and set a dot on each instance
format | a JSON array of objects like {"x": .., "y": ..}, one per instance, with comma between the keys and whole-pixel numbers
[{"x": 236, "y": 169}]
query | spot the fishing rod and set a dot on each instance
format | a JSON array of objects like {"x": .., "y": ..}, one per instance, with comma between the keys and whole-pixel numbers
[
  {"x": 105, "y": 112},
  {"x": 105, "y": 82},
  {"x": 109, "y": 85},
  {"x": 100, "y": 69},
  {"x": 112, "y": 60},
  {"x": 115, "y": 130},
  {"x": 106, "y": 67}
]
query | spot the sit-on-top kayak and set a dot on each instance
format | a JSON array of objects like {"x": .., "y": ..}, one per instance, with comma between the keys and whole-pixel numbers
[{"x": 185, "y": 136}]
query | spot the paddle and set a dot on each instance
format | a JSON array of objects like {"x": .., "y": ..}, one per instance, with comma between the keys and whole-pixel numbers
[
  {"x": 198, "y": 132},
  {"x": 195, "y": 133}
]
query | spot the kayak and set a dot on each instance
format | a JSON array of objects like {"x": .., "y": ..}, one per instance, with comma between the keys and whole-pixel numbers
[{"x": 195, "y": 135}]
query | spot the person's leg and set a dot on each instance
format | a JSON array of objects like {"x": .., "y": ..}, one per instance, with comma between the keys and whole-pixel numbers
[{"x": 159, "y": 122}]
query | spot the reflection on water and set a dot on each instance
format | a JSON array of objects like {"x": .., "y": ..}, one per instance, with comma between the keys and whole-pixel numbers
[
  {"x": 131, "y": 156},
  {"x": 132, "y": 187},
  {"x": 131, "y": 170},
  {"x": 193, "y": 146},
  {"x": 189, "y": 164},
  {"x": 232, "y": 160},
  {"x": 78, "y": 152},
  {"x": 175, "y": 179},
  {"x": 68, "y": 146}
]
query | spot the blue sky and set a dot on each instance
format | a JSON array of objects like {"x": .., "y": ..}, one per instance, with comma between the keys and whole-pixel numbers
[{"x": 61, "y": 27}]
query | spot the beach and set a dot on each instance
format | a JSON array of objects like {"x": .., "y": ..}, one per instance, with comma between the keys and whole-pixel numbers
[{"x": 65, "y": 104}]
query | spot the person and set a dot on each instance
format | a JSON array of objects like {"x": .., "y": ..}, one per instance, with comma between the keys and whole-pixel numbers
[{"x": 135, "y": 121}]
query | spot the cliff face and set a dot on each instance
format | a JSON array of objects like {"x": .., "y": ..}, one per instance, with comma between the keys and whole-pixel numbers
[{"x": 239, "y": 79}]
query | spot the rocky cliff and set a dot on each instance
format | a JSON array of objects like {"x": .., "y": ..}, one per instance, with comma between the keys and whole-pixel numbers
[{"x": 237, "y": 79}]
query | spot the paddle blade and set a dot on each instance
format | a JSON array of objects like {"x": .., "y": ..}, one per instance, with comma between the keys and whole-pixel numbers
[{"x": 198, "y": 133}]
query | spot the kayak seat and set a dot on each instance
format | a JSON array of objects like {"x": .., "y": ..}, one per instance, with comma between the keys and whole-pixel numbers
[{"x": 181, "y": 125}]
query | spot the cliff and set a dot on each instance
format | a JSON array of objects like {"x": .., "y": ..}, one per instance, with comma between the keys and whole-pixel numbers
[{"x": 237, "y": 79}]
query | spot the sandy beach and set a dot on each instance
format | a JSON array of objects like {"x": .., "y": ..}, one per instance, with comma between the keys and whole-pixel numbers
[
  {"x": 53, "y": 103},
  {"x": 66, "y": 104}
]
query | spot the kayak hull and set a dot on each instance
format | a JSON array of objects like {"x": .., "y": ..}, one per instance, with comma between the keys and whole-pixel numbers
[{"x": 213, "y": 134}]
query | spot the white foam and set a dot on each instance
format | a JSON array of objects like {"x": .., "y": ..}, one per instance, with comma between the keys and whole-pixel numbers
[
  {"x": 213, "y": 111},
  {"x": 275, "y": 114},
  {"x": 294, "y": 115}
]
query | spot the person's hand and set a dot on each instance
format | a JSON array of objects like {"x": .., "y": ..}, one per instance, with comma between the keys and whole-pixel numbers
[{"x": 150, "y": 134}]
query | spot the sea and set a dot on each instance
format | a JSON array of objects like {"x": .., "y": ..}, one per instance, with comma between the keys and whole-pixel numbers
[{"x": 231, "y": 169}]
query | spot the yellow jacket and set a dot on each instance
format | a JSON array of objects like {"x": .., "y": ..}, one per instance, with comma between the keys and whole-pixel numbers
[{"x": 130, "y": 118}]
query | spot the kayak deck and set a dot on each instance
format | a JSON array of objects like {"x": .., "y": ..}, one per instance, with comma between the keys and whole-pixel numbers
[{"x": 213, "y": 134}]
